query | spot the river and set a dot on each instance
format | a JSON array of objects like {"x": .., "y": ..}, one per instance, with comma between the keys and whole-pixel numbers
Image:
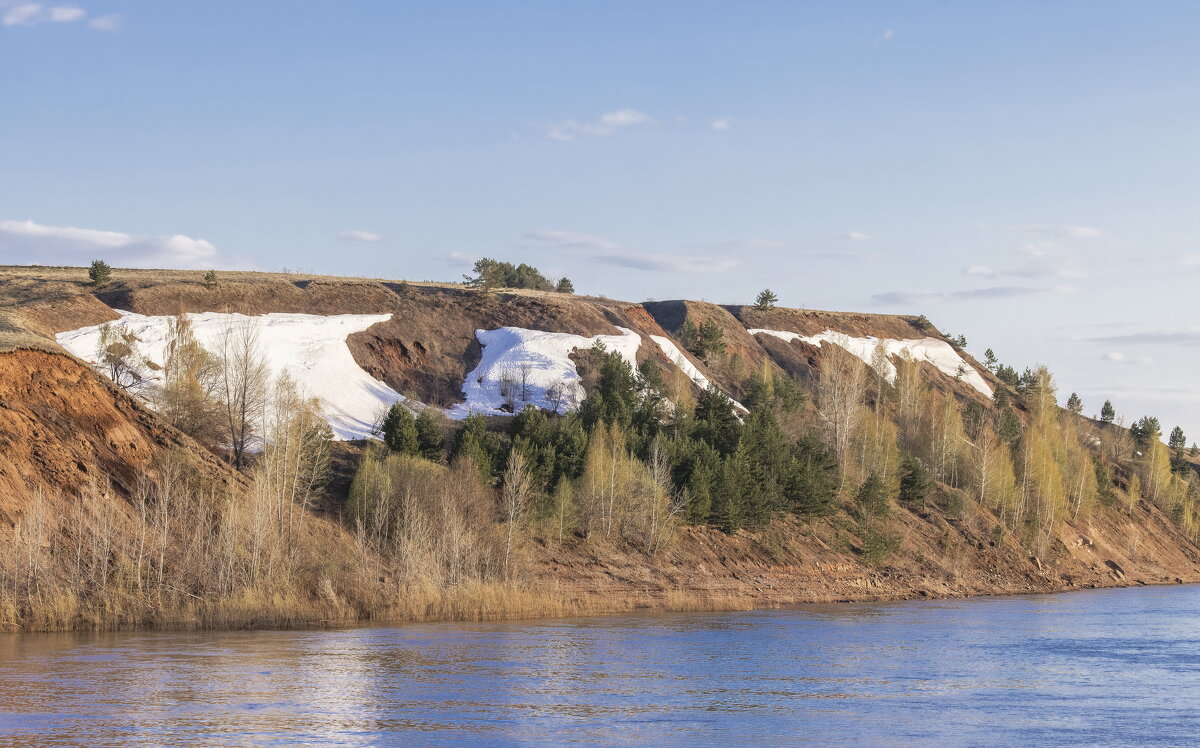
[{"x": 1108, "y": 667}]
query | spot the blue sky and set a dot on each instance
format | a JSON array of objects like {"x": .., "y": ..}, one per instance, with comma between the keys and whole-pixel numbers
[{"x": 1024, "y": 173}]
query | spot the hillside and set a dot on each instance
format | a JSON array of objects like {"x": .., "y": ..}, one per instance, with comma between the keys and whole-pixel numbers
[{"x": 89, "y": 462}]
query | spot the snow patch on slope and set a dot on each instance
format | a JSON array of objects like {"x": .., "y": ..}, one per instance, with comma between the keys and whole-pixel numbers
[
  {"x": 518, "y": 366},
  {"x": 311, "y": 348},
  {"x": 932, "y": 350},
  {"x": 671, "y": 351}
]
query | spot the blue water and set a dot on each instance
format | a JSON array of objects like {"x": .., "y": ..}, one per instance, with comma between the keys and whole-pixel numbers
[{"x": 1113, "y": 667}]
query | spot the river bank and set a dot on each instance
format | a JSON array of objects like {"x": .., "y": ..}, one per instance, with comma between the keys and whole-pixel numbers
[{"x": 788, "y": 563}]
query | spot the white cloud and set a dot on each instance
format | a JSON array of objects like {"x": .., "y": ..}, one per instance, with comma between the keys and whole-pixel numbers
[
  {"x": 572, "y": 240},
  {"x": 461, "y": 259},
  {"x": 599, "y": 249},
  {"x": 1169, "y": 336},
  {"x": 667, "y": 263},
  {"x": 721, "y": 123},
  {"x": 1069, "y": 232},
  {"x": 856, "y": 236},
  {"x": 1117, "y": 357},
  {"x": 358, "y": 235},
  {"x": 981, "y": 270},
  {"x": 888, "y": 35},
  {"x": 911, "y": 298},
  {"x": 15, "y": 13},
  {"x": 1041, "y": 249},
  {"x": 21, "y": 14},
  {"x": 110, "y": 22},
  {"x": 607, "y": 124},
  {"x": 1190, "y": 261},
  {"x": 1049, "y": 270},
  {"x": 66, "y": 14},
  {"x": 28, "y": 243}
]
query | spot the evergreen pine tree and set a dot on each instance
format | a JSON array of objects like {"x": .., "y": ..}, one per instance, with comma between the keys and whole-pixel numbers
[
  {"x": 570, "y": 446},
  {"x": 1074, "y": 404},
  {"x": 712, "y": 338},
  {"x": 989, "y": 360},
  {"x": 1007, "y": 374},
  {"x": 210, "y": 280},
  {"x": 476, "y": 444},
  {"x": 810, "y": 479},
  {"x": 400, "y": 431},
  {"x": 872, "y": 497},
  {"x": 702, "y": 340},
  {"x": 735, "y": 483},
  {"x": 100, "y": 273},
  {"x": 765, "y": 300},
  {"x": 1177, "y": 443},
  {"x": 1104, "y": 485},
  {"x": 564, "y": 285},
  {"x": 715, "y": 422},
  {"x": 430, "y": 439},
  {"x": 915, "y": 483},
  {"x": 1145, "y": 430},
  {"x": 1107, "y": 413}
]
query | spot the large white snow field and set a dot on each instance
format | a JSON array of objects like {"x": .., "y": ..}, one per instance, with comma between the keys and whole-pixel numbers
[
  {"x": 937, "y": 352},
  {"x": 520, "y": 367},
  {"x": 310, "y": 347}
]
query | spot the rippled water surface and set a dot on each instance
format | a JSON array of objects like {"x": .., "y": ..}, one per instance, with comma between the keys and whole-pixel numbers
[{"x": 1117, "y": 667}]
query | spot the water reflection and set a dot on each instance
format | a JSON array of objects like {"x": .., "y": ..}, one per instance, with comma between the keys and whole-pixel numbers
[{"x": 1108, "y": 667}]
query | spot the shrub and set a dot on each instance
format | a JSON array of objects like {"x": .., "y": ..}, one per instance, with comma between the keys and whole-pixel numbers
[{"x": 100, "y": 273}]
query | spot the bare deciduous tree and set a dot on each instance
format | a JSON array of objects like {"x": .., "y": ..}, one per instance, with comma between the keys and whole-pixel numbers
[
  {"x": 510, "y": 389},
  {"x": 556, "y": 396},
  {"x": 515, "y": 495},
  {"x": 191, "y": 376},
  {"x": 839, "y": 394},
  {"x": 525, "y": 372},
  {"x": 242, "y": 386},
  {"x": 117, "y": 352}
]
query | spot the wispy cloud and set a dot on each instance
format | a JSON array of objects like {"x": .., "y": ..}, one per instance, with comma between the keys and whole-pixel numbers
[
  {"x": 21, "y": 14},
  {"x": 572, "y": 240},
  {"x": 721, "y": 123},
  {"x": 886, "y": 36},
  {"x": 1041, "y": 249},
  {"x": 1117, "y": 357},
  {"x": 911, "y": 298},
  {"x": 1044, "y": 269},
  {"x": 1049, "y": 253},
  {"x": 982, "y": 271},
  {"x": 461, "y": 259},
  {"x": 1065, "y": 232},
  {"x": 358, "y": 235},
  {"x": 67, "y": 14},
  {"x": 856, "y": 236},
  {"x": 1180, "y": 336},
  {"x": 16, "y": 13},
  {"x": 1143, "y": 391},
  {"x": 607, "y": 124},
  {"x": 668, "y": 263},
  {"x": 26, "y": 242},
  {"x": 111, "y": 22},
  {"x": 599, "y": 249}
]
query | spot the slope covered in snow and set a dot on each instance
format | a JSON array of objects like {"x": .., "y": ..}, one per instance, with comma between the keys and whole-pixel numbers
[
  {"x": 311, "y": 348},
  {"x": 519, "y": 367},
  {"x": 671, "y": 351},
  {"x": 932, "y": 350}
]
